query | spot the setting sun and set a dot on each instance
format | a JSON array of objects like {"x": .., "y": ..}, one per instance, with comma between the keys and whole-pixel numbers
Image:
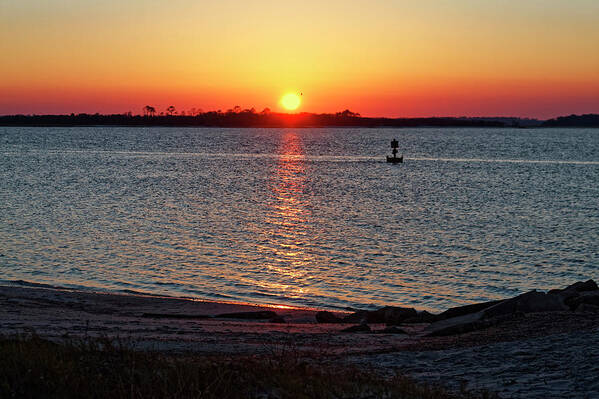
[{"x": 290, "y": 101}]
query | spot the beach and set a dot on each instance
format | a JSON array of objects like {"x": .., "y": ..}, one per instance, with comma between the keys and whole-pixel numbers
[{"x": 532, "y": 355}]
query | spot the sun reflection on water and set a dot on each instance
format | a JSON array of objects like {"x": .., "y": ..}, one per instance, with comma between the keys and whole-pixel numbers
[{"x": 286, "y": 228}]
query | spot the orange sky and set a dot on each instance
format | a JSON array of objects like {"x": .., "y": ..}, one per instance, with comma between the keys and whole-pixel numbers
[{"x": 537, "y": 58}]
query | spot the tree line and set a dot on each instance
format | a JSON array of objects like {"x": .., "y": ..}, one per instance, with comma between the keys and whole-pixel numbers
[{"x": 238, "y": 117}]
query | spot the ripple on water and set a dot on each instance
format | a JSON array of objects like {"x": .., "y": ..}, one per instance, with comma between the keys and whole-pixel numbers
[{"x": 306, "y": 217}]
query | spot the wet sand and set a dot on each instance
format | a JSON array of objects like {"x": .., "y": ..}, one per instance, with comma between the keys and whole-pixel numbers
[{"x": 533, "y": 355}]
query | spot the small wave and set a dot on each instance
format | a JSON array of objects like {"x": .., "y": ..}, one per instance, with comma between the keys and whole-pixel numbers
[
  {"x": 302, "y": 157},
  {"x": 493, "y": 160},
  {"x": 24, "y": 283}
]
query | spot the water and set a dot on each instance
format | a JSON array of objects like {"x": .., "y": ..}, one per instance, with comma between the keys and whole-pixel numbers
[{"x": 309, "y": 217}]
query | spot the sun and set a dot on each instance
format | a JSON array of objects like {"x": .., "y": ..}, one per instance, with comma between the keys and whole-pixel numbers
[{"x": 290, "y": 101}]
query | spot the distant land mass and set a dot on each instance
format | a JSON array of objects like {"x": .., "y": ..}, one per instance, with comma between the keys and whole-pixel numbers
[
  {"x": 251, "y": 118},
  {"x": 588, "y": 120}
]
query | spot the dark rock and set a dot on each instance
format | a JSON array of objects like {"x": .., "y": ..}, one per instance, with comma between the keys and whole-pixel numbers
[
  {"x": 260, "y": 315},
  {"x": 467, "y": 323},
  {"x": 570, "y": 299},
  {"x": 587, "y": 297},
  {"x": 391, "y": 315},
  {"x": 582, "y": 286},
  {"x": 421, "y": 317},
  {"x": 459, "y": 329},
  {"x": 530, "y": 302},
  {"x": 357, "y": 328},
  {"x": 466, "y": 309},
  {"x": 392, "y": 330},
  {"x": 582, "y": 296},
  {"x": 360, "y": 316},
  {"x": 456, "y": 325},
  {"x": 327, "y": 317},
  {"x": 570, "y": 294}
]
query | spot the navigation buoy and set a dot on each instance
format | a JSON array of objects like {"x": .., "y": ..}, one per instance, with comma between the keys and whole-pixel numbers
[{"x": 394, "y": 158}]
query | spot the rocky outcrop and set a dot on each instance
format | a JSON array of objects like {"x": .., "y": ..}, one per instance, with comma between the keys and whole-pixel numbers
[
  {"x": 530, "y": 302},
  {"x": 457, "y": 325},
  {"x": 580, "y": 286},
  {"x": 390, "y": 315},
  {"x": 585, "y": 298},
  {"x": 575, "y": 294},
  {"x": 359, "y": 316},
  {"x": 421, "y": 317},
  {"x": 464, "y": 310},
  {"x": 582, "y": 297},
  {"x": 327, "y": 317}
]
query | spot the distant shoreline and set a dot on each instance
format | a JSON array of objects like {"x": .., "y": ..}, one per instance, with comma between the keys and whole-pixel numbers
[{"x": 249, "y": 119}]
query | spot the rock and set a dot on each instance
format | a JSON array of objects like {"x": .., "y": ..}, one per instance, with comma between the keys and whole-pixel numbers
[
  {"x": 530, "y": 302},
  {"x": 582, "y": 286},
  {"x": 359, "y": 316},
  {"x": 422, "y": 317},
  {"x": 587, "y": 297},
  {"x": 357, "y": 328},
  {"x": 456, "y": 325},
  {"x": 392, "y": 330},
  {"x": 261, "y": 315},
  {"x": 327, "y": 317},
  {"x": 391, "y": 315},
  {"x": 570, "y": 294},
  {"x": 464, "y": 310},
  {"x": 582, "y": 296}
]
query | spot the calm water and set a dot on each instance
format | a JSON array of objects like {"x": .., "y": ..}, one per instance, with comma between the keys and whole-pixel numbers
[{"x": 301, "y": 216}]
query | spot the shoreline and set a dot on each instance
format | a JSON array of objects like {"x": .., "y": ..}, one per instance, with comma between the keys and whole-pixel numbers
[
  {"x": 514, "y": 347},
  {"x": 133, "y": 293},
  {"x": 55, "y": 313},
  {"x": 96, "y": 290}
]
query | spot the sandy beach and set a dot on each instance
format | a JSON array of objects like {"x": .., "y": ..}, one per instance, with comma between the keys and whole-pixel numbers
[{"x": 541, "y": 354}]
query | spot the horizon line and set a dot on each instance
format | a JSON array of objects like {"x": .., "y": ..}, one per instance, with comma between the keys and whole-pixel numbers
[{"x": 231, "y": 112}]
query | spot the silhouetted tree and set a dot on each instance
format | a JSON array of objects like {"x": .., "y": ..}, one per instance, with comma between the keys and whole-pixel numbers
[
  {"x": 149, "y": 110},
  {"x": 171, "y": 110},
  {"x": 348, "y": 114}
]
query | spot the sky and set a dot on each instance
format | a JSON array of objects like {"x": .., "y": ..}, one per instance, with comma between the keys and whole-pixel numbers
[{"x": 395, "y": 58}]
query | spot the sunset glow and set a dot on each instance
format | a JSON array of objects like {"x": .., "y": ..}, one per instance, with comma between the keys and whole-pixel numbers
[{"x": 379, "y": 58}]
